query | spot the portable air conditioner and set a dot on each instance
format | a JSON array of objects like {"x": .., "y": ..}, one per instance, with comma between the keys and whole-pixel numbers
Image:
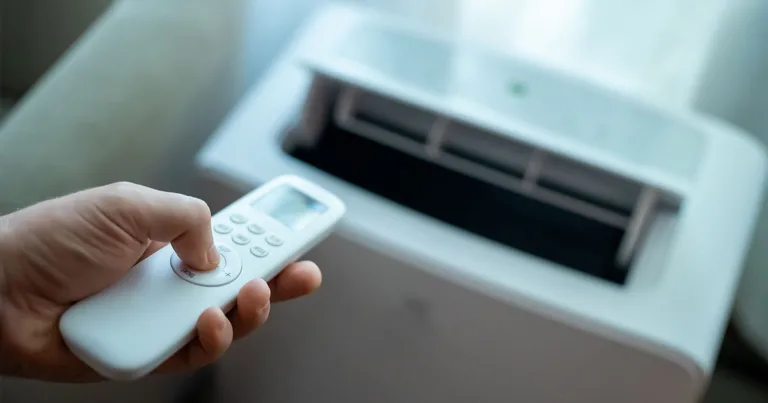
[{"x": 514, "y": 233}]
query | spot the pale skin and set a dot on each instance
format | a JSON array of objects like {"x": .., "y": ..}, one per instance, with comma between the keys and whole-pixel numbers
[{"x": 57, "y": 252}]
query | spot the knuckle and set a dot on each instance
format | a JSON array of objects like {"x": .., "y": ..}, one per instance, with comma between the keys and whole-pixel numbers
[
  {"x": 123, "y": 187},
  {"x": 122, "y": 191},
  {"x": 122, "y": 204},
  {"x": 122, "y": 194}
]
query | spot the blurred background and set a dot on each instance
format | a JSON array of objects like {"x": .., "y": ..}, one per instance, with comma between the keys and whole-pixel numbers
[{"x": 95, "y": 91}]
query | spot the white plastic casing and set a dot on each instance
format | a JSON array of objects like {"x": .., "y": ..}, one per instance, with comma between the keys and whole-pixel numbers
[
  {"x": 542, "y": 332},
  {"x": 130, "y": 328}
]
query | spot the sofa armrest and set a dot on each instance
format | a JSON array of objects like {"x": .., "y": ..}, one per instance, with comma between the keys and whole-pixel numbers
[{"x": 124, "y": 101}]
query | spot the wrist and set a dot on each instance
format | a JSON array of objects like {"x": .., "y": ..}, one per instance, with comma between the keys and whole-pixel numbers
[{"x": 5, "y": 256}]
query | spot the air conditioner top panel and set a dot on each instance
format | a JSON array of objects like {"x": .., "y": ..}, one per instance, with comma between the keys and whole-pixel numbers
[{"x": 540, "y": 106}]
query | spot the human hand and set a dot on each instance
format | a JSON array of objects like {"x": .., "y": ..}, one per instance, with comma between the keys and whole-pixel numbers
[{"x": 60, "y": 251}]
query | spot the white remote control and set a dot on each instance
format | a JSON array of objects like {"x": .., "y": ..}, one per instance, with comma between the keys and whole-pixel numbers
[{"x": 130, "y": 328}]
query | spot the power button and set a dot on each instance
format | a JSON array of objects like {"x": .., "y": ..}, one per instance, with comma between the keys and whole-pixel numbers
[{"x": 229, "y": 269}]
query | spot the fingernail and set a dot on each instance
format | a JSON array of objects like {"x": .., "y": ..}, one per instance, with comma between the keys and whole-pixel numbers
[{"x": 213, "y": 255}]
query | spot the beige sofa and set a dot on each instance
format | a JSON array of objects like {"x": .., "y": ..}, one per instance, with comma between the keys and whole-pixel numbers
[{"x": 132, "y": 99}]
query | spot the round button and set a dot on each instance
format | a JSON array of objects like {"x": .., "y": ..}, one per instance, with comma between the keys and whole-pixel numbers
[
  {"x": 256, "y": 229},
  {"x": 258, "y": 251},
  {"x": 238, "y": 219},
  {"x": 240, "y": 239},
  {"x": 228, "y": 270},
  {"x": 274, "y": 240},
  {"x": 222, "y": 228}
]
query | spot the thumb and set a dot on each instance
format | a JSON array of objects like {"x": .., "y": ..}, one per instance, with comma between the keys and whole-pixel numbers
[{"x": 155, "y": 215}]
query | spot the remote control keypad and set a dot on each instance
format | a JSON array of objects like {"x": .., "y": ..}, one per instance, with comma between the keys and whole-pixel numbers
[
  {"x": 258, "y": 251},
  {"x": 256, "y": 229},
  {"x": 222, "y": 228},
  {"x": 238, "y": 218},
  {"x": 240, "y": 239},
  {"x": 274, "y": 240},
  {"x": 246, "y": 232}
]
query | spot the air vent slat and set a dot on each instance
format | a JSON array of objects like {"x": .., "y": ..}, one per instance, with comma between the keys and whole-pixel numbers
[{"x": 456, "y": 146}]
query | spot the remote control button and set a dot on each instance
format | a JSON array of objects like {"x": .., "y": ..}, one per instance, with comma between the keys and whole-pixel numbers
[
  {"x": 256, "y": 229},
  {"x": 274, "y": 240},
  {"x": 258, "y": 251},
  {"x": 228, "y": 270},
  {"x": 240, "y": 239},
  {"x": 224, "y": 249},
  {"x": 222, "y": 228},
  {"x": 238, "y": 218}
]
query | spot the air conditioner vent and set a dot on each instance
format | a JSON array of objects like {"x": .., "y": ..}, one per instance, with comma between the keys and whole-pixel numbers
[{"x": 524, "y": 196}]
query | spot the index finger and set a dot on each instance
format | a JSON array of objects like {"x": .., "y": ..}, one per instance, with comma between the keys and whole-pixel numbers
[{"x": 156, "y": 215}]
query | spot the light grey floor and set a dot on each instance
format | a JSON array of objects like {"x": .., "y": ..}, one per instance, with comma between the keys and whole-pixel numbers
[{"x": 726, "y": 387}]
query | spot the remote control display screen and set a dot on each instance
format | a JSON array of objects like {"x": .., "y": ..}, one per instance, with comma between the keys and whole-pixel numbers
[{"x": 292, "y": 208}]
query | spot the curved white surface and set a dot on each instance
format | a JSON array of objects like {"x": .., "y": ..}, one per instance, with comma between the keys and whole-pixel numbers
[
  {"x": 653, "y": 48},
  {"x": 679, "y": 310}
]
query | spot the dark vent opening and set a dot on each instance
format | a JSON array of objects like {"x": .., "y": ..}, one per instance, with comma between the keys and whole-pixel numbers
[{"x": 509, "y": 218}]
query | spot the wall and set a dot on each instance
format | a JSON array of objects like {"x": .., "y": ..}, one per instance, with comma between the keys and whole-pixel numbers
[{"x": 735, "y": 88}]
